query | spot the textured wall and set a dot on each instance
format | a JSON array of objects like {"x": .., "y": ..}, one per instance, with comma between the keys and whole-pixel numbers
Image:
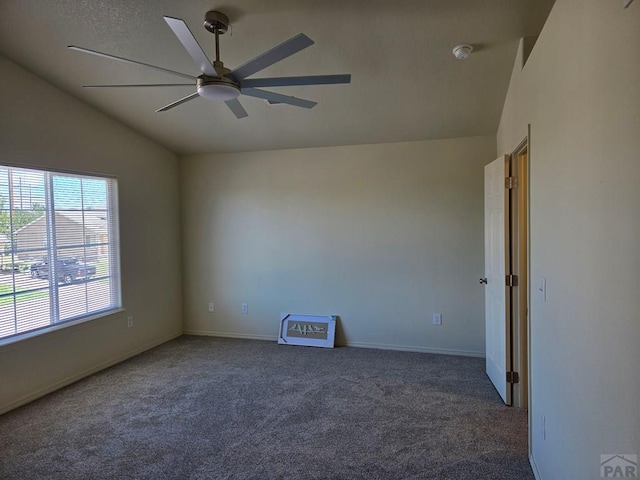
[
  {"x": 381, "y": 235},
  {"x": 40, "y": 126},
  {"x": 579, "y": 91}
]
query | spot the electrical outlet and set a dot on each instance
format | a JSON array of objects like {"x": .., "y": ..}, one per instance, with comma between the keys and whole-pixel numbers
[
  {"x": 437, "y": 319},
  {"x": 211, "y": 307},
  {"x": 543, "y": 426},
  {"x": 129, "y": 322},
  {"x": 245, "y": 308}
]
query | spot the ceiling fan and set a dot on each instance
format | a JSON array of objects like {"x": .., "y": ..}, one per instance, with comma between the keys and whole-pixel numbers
[{"x": 218, "y": 82}]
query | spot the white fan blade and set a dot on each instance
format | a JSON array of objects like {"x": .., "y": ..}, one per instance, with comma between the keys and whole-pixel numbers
[
  {"x": 126, "y": 60},
  {"x": 278, "y": 98},
  {"x": 294, "y": 81},
  {"x": 192, "y": 46},
  {"x": 236, "y": 107},
  {"x": 282, "y": 51},
  {"x": 141, "y": 85},
  {"x": 179, "y": 102}
]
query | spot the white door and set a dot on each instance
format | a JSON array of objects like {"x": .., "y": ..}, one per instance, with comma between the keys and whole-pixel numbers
[{"x": 495, "y": 275}]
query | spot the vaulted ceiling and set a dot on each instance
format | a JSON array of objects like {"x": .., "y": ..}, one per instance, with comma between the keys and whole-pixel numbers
[{"x": 406, "y": 85}]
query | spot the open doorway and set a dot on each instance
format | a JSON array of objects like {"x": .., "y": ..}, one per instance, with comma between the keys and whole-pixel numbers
[
  {"x": 518, "y": 231},
  {"x": 506, "y": 275}
]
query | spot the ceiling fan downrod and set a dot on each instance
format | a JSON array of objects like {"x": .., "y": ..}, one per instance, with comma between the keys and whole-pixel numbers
[{"x": 218, "y": 24}]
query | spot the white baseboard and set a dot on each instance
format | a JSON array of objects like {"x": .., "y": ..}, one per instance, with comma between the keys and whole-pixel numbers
[
  {"x": 534, "y": 467},
  {"x": 245, "y": 336},
  {"x": 415, "y": 348},
  {"x": 378, "y": 346},
  {"x": 85, "y": 373}
]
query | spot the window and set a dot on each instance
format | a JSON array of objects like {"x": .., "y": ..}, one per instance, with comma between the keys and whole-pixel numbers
[{"x": 59, "y": 255}]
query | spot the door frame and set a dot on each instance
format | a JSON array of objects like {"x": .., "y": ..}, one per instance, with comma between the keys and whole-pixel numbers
[{"x": 519, "y": 264}]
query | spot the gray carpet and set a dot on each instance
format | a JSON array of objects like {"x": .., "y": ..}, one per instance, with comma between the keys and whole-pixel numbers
[{"x": 208, "y": 408}]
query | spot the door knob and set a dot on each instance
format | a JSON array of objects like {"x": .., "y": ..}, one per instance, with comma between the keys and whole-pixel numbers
[{"x": 483, "y": 280}]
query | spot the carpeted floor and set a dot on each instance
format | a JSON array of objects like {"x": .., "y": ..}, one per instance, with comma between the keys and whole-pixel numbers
[{"x": 211, "y": 408}]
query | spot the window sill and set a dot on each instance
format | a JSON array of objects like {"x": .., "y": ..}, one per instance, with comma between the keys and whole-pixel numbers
[{"x": 7, "y": 343}]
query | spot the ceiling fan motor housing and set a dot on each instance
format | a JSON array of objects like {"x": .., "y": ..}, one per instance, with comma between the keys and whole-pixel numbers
[
  {"x": 217, "y": 88},
  {"x": 216, "y": 21}
]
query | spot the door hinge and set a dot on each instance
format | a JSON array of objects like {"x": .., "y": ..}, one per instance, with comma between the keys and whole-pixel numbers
[
  {"x": 511, "y": 182},
  {"x": 513, "y": 377},
  {"x": 511, "y": 280}
]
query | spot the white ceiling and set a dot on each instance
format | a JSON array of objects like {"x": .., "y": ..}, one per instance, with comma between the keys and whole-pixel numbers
[{"x": 406, "y": 85}]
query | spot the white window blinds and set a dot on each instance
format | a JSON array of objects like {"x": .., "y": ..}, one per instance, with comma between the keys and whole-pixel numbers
[{"x": 59, "y": 249}]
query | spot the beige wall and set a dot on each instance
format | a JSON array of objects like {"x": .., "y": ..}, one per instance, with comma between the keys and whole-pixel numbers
[
  {"x": 580, "y": 91},
  {"x": 43, "y": 127},
  {"x": 381, "y": 235}
]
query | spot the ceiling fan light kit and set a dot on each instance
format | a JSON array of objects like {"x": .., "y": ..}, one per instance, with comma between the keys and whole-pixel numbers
[
  {"x": 217, "y": 88},
  {"x": 218, "y": 82}
]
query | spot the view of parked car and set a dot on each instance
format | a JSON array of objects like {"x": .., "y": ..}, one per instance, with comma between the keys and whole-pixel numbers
[
  {"x": 10, "y": 267},
  {"x": 68, "y": 270}
]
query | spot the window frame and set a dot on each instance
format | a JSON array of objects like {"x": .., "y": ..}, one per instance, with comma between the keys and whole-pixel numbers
[{"x": 113, "y": 248}]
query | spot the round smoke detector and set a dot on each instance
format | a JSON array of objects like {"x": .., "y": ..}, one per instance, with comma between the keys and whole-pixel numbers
[{"x": 462, "y": 51}]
